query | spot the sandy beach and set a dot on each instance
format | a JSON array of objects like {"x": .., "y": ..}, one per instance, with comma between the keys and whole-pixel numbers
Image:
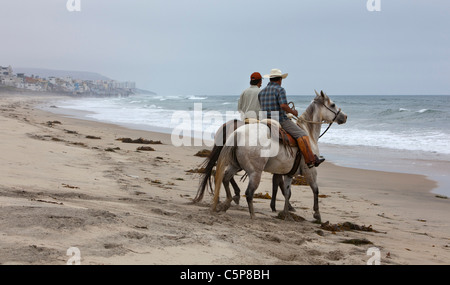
[{"x": 68, "y": 182}]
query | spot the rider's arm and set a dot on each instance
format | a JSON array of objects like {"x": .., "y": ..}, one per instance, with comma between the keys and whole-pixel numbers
[
  {"x": 288, "y": 109},
  {"x": 282, "y": 100},
  {"x": 240, "y": 104}
]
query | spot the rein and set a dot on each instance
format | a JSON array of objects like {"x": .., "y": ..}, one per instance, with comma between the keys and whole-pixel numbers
[{"x": 336, "y": 114}]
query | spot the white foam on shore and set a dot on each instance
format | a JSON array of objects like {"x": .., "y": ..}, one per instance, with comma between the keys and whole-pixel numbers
[
  {"x": 435, "y": 166},
  {"x": 430, "y": 141},
  {"x": 141, "y": 113}
]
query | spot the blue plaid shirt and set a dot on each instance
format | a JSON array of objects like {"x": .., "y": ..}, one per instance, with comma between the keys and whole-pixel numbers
[{"x": 271, "y": 98}]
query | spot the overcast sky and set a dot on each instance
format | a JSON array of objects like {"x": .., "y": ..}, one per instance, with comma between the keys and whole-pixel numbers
[{"x": 210, "y": 47}]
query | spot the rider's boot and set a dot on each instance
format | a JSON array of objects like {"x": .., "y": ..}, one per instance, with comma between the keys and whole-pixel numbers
[{"x": 311, "y": 159}]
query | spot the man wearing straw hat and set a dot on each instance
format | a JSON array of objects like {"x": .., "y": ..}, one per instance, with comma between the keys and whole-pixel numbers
[{"x": 273, "y": 99}]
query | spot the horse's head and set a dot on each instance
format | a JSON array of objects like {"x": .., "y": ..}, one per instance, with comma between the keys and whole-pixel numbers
[{"x": 329, "y": 112}]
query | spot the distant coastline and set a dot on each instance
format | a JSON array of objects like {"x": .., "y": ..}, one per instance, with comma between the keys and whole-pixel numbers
[{"x": 72, "y": 83}]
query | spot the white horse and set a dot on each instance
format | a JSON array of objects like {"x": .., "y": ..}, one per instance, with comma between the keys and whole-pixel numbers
[{"x": 243, "y": 150}]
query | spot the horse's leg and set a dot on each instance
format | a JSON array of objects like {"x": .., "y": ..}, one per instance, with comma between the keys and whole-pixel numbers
[
  {"x": 229, "y": 174},
  {"x": 285, "y": 184},
  {"x": 311, "y": 178},
  {"x": 237, "y": 191},
  {"x": 277, "y": 179},
  {"x": 287, "y": 196},
  {"x": 253, "y": 183},
  {"x": 315, "y": 190}
]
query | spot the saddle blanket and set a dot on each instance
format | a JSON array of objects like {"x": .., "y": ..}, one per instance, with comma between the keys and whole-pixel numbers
[{"x": 285, "y": 138}]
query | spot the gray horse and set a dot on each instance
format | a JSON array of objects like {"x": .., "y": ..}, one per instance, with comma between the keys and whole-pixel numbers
[
  {"x": 210, "y": 162},
  {"x": 243, "y": 151}
]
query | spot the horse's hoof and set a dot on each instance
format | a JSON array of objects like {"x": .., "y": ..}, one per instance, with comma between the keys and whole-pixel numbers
[
  {"x": 223, "y": 207},
  {"x": 317, "y": 217},
  {"x": 285, "y": 215},
  {"x": 236, "y": 199},
  {"x": 291, "y": 209},
  {"x": 288, "y": 217}
]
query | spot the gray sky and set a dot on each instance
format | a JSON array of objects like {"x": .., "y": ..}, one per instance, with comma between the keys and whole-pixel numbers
[{"x": 210, "y": 47}]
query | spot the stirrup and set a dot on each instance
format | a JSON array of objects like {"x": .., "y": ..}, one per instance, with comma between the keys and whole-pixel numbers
[{"x": 317, "y": 162}]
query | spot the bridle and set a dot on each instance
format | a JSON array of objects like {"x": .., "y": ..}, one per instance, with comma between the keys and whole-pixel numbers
[{"x": 336, "y": 114}]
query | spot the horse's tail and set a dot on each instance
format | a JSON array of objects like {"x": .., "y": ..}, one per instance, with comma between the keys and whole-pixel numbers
[
  {"x": 227, "y": 156},
  {"x": 208, "y": 166},
  {"x": 211, "y": 160}
]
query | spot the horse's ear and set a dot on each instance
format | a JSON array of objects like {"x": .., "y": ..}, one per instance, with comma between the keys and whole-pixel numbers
[
  {"x": 321, "y": 93},
  {"x": 317, "y": 94}
]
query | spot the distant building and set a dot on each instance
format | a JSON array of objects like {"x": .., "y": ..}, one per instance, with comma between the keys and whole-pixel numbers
[
  {"x": 66, "y": 84},
  {"x": 52, "y": 80},
  {"x": 31, "y": 80},
  {"x": 6, "y": 71},
  {"x": 8, "y": 81},
  {"x": 33, "y": 87},
  {"x": 6, "y": 76}
]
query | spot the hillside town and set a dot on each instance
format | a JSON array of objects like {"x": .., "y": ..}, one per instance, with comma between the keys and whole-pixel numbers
[{"x": 65, "y": 85}]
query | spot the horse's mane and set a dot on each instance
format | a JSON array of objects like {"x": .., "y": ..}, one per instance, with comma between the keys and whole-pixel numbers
[{"x": 308, "y": 114}]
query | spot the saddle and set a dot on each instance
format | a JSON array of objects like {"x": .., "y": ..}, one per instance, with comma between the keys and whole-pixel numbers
[{"x": 285, "y": 139}]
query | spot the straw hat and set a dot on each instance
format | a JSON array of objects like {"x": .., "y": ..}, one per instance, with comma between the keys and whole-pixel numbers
[{"x": 276, "y": 73}]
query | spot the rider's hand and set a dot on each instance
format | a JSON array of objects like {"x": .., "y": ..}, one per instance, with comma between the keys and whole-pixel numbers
[{"x": 295, "y": 113}]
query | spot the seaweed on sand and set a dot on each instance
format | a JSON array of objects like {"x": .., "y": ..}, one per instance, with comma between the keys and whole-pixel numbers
[
  {"x": 139, "y": 140},
  {"x": 346, "y": 226}
]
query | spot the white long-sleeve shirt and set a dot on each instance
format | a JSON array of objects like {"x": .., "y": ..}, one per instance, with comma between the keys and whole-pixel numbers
[{"x": 248, "y": 104}]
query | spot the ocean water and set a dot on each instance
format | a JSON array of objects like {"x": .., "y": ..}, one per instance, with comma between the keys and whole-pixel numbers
[{"x": 401, "y": 129}]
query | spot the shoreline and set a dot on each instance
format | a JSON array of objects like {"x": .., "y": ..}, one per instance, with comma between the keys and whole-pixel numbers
[
  {"x": 130, "y": 207},
  {"x": 434, "y": 166}
]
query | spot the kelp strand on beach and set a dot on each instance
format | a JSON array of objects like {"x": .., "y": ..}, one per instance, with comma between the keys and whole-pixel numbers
[
  {"x": 299, "y": 180},
  {"x": 346, "y": 226},
  {"x": 357, "y": 241},
  {"x": 145, "y": 148},
  {"x": 262, "y": 196},
  {"x": 93, "y": 137},
  {"x": 203, "y": 153},
  {"x": 196, "y": 170},
  {"x": 282, "y": 216},
  {"x": 139, "y": 140}
]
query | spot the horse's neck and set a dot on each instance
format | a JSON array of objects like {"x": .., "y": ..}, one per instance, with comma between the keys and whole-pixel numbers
[{"x": 313, "y": 130}]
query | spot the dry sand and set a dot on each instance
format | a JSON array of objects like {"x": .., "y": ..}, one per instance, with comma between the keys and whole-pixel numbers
[{"x": 59, "y": 189}]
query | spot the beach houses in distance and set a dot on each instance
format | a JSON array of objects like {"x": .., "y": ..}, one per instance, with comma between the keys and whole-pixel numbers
[{"x": 66, "y": 85}]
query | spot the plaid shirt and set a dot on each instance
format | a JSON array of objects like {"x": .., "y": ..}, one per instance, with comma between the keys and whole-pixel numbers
[{"x": 271, "y": 98}]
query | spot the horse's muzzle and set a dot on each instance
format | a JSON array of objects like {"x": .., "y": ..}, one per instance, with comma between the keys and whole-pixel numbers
[{"x": 341, "y": 118}]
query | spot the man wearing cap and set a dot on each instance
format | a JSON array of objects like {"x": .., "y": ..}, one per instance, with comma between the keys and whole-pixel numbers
[
  {"x": 273, "y": 99},
  {"x": 248, "y": 104}
]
